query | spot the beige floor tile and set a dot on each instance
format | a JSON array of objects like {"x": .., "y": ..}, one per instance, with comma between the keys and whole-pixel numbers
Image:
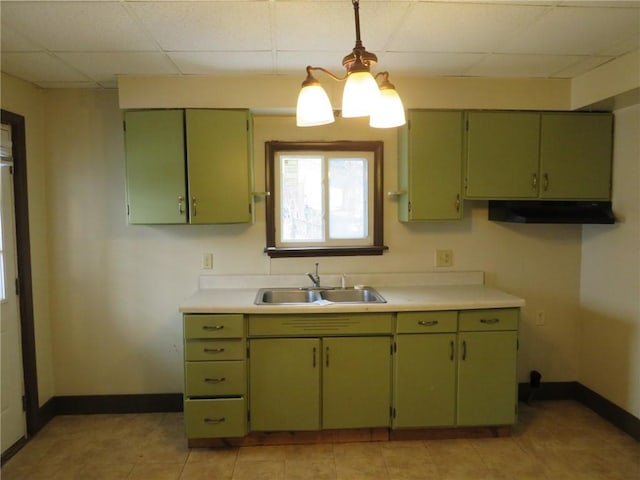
[
  {"x": 313, "y": 453},
  {"x": 156, "y": 471},
  {"x": 310, "y": 470},
  {"x": 407, "y": 468},
  {"x": 267, "y": 452},
  {"x": 208, "y": 471},
  {"x": 358, "y": 449},
  {"x": 259, "y": 470},
  {"x": 359, "y": 467},
  {"x": 215, "y": 455}
]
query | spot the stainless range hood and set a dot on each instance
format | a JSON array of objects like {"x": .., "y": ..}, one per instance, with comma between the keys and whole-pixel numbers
[{"x": 525, "y": 211}]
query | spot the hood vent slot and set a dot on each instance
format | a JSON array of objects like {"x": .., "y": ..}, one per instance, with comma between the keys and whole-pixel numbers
[{"x": 584, "y": 212}]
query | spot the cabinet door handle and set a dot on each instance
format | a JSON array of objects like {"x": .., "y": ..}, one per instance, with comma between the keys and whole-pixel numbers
[
  {"x": 314, "y": 357},
  {"x": 215, "y": 380},
  {"x": 452, "y": 350},
  {"x": 326, "y": 356},
  {"x": 214, "y": 421},
  {"x": 213, "y": 350},
  {"x": 545, "y": 182},
  {"x": 534, "y": 181},
  {"x": 457, "y": 203},
  {"x": 489, "y": 321},
  {"x": 212, "y": 327},
  {"x": 464, "y": 350},
  {"x": 194, "y": 206},
  {"x": 180, "y": 204},
  {"x": 428, "y": 323}
]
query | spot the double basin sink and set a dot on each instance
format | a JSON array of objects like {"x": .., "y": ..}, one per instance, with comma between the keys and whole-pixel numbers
[{"x": 297, "y": 296}]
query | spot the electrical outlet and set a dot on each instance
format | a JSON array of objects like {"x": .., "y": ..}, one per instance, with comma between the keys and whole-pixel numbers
[
  {"x": 207, "y": 261},
  {"x": 540, "y": 318},
  {"x": 444, "y": 258}
]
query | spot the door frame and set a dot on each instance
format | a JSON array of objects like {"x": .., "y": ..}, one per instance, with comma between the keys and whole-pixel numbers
[{"x": 23, "y": 250}]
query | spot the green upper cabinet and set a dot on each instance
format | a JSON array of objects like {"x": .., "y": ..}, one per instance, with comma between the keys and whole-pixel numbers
[
  {"x": 190, "y": 166},
  {"x": 218, "y": 162},
  {"x": 502, "y": 155},
  {"x": 575, "y": 156},
  {"x": 534, "y": 155},
  {"x": 156, "y": 186},
  {"x": 430, "y": 166}
]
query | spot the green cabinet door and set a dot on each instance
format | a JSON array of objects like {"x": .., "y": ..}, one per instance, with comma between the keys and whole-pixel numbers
[
  {"x": 356, "y": 382},
  {"x": 284, "y": 384},
  {"x": 487, "y": 378},
  {"x": 218, "y": 159},
  {"x": 430, "y": 166},
  {"x": 156, "y": 187},
  {"x": 575, "y": 156},
  {"x": 502, "y": 155},
  {"x": 425, "y": 380}
]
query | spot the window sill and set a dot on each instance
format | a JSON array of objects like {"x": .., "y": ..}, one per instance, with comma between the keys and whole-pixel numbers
[{"x": 276, "y": 252}]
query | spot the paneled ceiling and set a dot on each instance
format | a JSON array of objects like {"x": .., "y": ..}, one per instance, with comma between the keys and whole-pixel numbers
[{"x": 57, "y": 44}]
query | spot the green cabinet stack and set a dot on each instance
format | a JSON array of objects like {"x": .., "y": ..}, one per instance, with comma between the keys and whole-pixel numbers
[
  {"x": 215, "y": 403},
  {"x": 455, "y": 368},
  {"x": 188, "y": 166}
]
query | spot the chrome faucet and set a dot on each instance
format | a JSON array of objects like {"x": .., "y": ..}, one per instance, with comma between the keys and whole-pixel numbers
[{"x": 315, "y": 278}]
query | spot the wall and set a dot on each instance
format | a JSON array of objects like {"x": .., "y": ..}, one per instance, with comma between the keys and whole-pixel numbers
[
  {"x": 610, "y": 280},
  {"x": 115, "y": 289},
  {"x": 27, "y": 100}
]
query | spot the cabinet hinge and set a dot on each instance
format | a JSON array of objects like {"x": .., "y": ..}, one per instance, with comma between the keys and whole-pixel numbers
[
  {"x": 128, "y": 210},
  {"x": 392, "y": 411},
  {"x": 18, "y": 288},
  {"x": 124, "y": 125},
  {"x": 250, "y": 208},
  {"x": 409, "y": 207},
  {"x": 248, "y": 416},
  {"x": 394, "y": 348},
  {"x": 248, "y": 352},
  {"x": 466, "y": 125}
]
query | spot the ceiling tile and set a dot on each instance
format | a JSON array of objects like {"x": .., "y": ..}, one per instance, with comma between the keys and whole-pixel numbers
[
  {"x": 38, "y": 66},
  {"x": 102, "y": 66},
  {"x": 296, "y": 62},
  {"x": 430, "y": 64},
  {"x": 202, "y": 63},
  {"x": 576, "y": 31},
  {"x": 581, "y": 66},
  {"x": 460, "y": 27},
  {"x": 13, "y": 41},
  {"x": 504, "y": 65},
  {"x": 76, "y": 26},
  {"x": 201, "y": 26}
]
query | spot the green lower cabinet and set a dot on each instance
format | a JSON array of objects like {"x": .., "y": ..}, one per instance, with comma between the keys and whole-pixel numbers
[
  {"x": 487, "y": 378},
  {"x": 284, "y": 384},
  {"x": 313, "y": 383},
  {"x": 356, "y": 382},
  {"x": 425, "y": 381}
]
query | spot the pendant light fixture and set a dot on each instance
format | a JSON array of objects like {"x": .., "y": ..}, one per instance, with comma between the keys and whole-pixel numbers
[{"x": 362, "y": 96}]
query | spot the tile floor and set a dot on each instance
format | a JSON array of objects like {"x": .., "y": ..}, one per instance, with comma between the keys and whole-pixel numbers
[{"x": 559, "y": 440}]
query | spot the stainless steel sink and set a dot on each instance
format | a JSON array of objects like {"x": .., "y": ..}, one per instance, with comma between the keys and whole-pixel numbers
[{"x": 296, "y": 296}]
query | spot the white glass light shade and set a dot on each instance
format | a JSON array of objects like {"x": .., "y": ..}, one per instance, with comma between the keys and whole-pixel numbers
[
  {"x": 314, "y": 107},
  {"x": 388, "y": 112},
  {"x": 360, "y": 94}
]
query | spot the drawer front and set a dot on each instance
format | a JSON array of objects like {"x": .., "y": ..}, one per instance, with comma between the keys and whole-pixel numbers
[
  {"x": 489, "y": 319},
  {"x": 213, "y": 326},
  {"x": 227, "y": 349},
  {"x": 427, "y": 322},
  {"x": 214, "y": 379},
  {"x": 225, "y": 417},
  {"x": 319, "y": 324}
]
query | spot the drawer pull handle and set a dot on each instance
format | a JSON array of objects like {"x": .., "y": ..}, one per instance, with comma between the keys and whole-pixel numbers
[
  {"x": 326, "y": 352},
  {"x": 212, "y": 327},
  {"x": 489, "y": 321},
  {"x": 215, "y": 380},
  {"x": 464, "y": 350},
  {"x": 452, "y": 350},
  {"x": 428, "y": 323},
  {"x": 214, "y": 421},
  {"x": 213, "y": 350},
  {"x": 314, "y": 357}
]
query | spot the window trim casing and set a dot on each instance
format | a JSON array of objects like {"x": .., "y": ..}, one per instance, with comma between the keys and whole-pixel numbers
[{"x": 377, "y": 248}]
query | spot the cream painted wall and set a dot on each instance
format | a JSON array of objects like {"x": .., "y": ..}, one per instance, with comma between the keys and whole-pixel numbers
[
  {"x": 115, "y": 288},
  {"x": 610, "y": 281},
  {"x": 25, "y": 99}
]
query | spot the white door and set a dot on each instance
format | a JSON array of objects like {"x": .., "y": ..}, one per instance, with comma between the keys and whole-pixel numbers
[{"x": 12, "y": 420}]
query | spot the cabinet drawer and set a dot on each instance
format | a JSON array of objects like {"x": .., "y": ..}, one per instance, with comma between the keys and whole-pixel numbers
[
  {"x": 213, "y": 326},
  {"x": 319, "y": 324},
  {"x": 211, "y": 379},
  {"x": 427, "y": 322},
  {"x": 490, "y": 319},
  {"x": 227, "y": 349},
  {"x": 215, "y": 418}
]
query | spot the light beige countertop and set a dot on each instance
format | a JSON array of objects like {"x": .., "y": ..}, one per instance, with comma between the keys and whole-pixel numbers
[{"x": 410, "y": 292}]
